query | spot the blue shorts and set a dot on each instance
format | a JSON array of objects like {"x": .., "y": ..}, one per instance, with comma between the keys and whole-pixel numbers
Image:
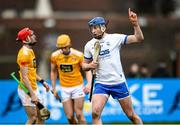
[{"x": 117, "y": 91}]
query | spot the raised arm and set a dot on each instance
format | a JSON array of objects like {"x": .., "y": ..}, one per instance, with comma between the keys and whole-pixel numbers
[{"x": 138, "y": 35}]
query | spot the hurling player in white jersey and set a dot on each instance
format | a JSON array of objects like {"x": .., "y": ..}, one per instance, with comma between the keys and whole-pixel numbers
[{"x": 110, "y": 79}]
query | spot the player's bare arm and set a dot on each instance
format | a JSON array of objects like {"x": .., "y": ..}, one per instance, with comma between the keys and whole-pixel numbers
[
  {"x": 43, "y": 82},
  {"x": 54, "y": 78},
  {"x": 138, "y": 35},
  {"x": 88, "y": 65},
  {"x": 87, "y": 88},
  {"x": 24, "y": 71}
]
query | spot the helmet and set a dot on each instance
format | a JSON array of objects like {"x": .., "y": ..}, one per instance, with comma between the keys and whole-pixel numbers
[
  {"x": 23, "y": 34},
  {"x": 63, "y": 41},
  {"x": 97, "y": 21}
]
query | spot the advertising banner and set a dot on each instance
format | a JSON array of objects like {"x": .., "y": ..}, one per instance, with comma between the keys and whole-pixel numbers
[{"x": 155, "y": 100}]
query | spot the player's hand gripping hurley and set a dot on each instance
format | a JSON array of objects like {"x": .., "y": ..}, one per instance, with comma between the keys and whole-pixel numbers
[
  {"x": 97, "y": 49},
  {"x": 44, "y": 112},
  {"x": 57, "y": 96}
]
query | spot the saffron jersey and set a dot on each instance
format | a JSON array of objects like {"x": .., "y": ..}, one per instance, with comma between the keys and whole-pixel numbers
[
  {"x": 69, "y": 67},
  {"x": 27, "y": 58}
]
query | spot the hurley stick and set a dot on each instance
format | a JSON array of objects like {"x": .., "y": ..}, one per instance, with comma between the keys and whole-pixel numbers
[
  {"x": 97, "y": 49},
  {"x": 44, "y": 112}
]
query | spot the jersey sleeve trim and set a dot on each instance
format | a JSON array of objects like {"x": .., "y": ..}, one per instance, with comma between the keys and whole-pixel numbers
[
  {"x": 125, "y": 39},
  {"x": 88, "y": 58}
]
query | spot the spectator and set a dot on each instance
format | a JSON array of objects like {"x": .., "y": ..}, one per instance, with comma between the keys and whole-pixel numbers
[
  {"x": 161, "y": 71},
  {"x": 134, "y": 71},
  {"x": 144, "y": 71}
]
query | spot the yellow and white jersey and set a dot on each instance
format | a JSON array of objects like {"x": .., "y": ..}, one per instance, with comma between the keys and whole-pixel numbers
[
  {"x": 26, "y": 58},
  {"x": 68, "y": 67}
]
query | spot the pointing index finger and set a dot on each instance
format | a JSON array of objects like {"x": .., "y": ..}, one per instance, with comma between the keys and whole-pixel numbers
[{"x": 129, "y": 11}]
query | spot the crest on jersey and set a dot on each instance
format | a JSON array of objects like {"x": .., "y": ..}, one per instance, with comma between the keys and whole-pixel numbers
[{"x": 34, "y": 63}]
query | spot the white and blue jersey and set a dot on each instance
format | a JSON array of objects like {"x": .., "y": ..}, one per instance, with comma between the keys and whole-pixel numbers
[{"x": 109, "y": 70}]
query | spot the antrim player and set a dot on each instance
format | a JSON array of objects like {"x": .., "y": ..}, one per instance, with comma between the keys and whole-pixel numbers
[
  {"x": 110, "y": 79},
  {"x": 27, "y": 64},
  {"x": 68, "y": 62}
]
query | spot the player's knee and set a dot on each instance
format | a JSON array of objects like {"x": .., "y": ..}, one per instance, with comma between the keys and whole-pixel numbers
[
  {"x": 96, "y": 113},
  {"x": 135, "y": 118}
]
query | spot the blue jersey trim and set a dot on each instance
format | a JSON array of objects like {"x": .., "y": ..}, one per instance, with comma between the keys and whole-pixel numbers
[
  {"x": 88, "y": 58},
  {"x": 125, "y": 39}
]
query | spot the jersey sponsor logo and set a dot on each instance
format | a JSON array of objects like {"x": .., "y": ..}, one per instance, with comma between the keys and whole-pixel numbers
[
  {"x": 104, "y": 52},
  {"x": 66, "y": 68}
]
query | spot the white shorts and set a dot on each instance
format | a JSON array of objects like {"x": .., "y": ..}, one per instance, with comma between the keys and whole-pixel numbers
[
  {"x": 26, "y": 100},
  {"x": 72, "y": 92}
]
